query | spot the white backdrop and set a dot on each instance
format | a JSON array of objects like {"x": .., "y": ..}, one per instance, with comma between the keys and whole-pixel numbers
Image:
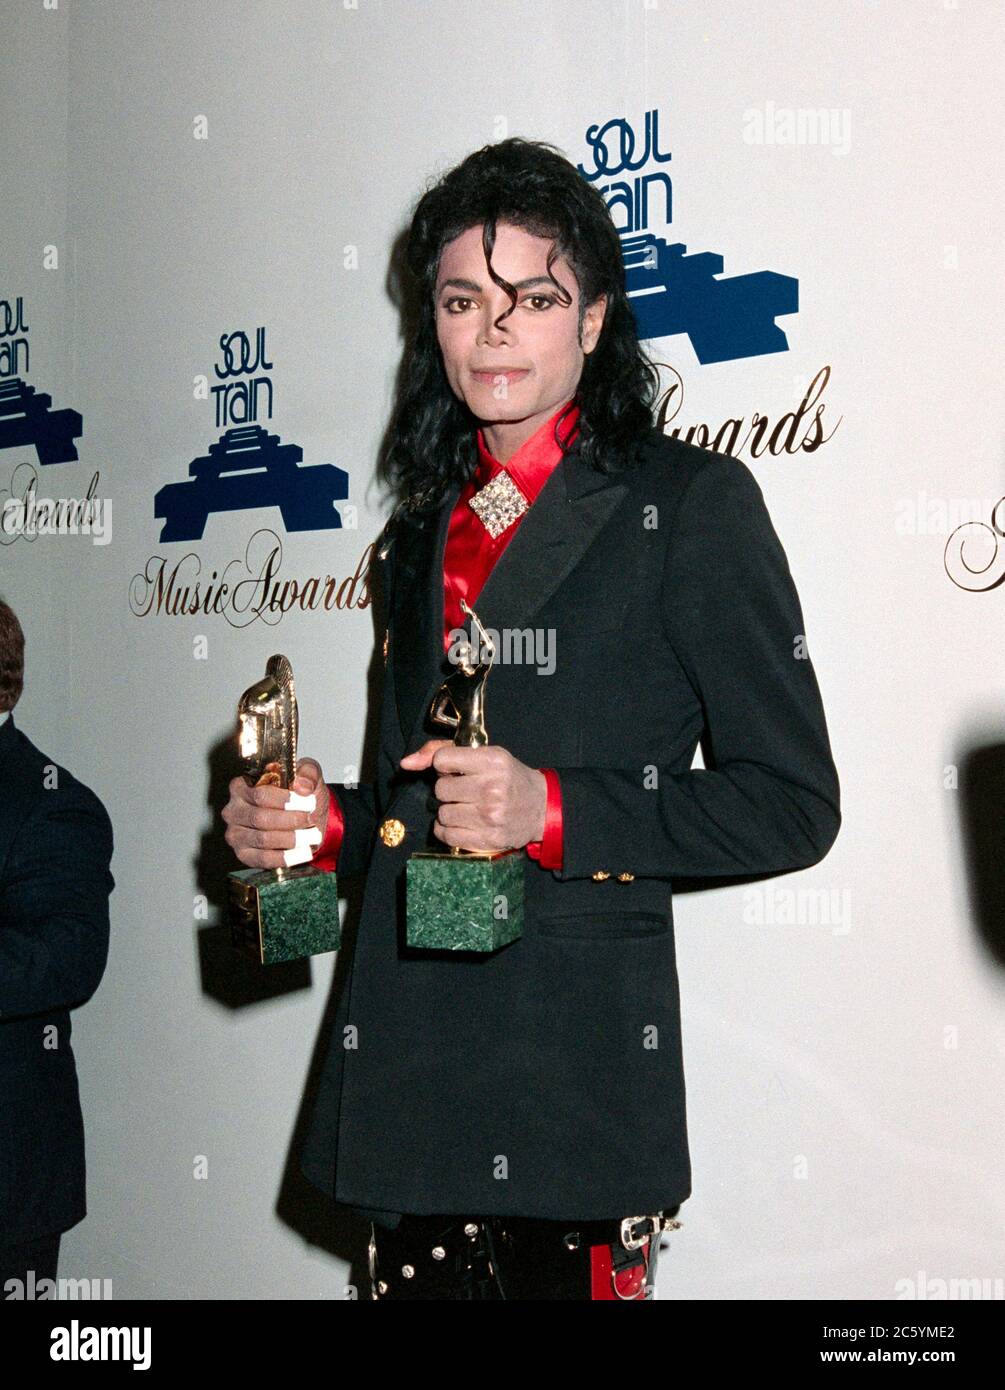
[{"x": 175, "y": 172}]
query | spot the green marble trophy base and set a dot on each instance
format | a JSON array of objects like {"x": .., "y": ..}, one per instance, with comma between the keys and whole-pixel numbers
[
  {"x": 464, "y": 902},
  {"x": 284, "y": 914}
]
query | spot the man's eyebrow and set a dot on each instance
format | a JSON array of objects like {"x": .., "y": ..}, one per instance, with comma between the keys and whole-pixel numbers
[{"x": 475, "y": 288}]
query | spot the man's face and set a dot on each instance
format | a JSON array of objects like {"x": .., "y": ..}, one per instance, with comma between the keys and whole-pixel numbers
[{"x": 513, "y": 376}]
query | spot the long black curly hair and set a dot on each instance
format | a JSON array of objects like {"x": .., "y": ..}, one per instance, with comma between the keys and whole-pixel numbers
[{"x": 431, "y": 439}]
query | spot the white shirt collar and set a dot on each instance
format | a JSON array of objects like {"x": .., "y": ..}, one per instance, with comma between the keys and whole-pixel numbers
[{"x": 4, "y": 717}]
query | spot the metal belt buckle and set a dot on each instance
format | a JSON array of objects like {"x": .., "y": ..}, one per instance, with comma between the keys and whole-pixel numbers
[
  {"x": 634, "y": 1242},
  {"x": 658, "y": 1224}
]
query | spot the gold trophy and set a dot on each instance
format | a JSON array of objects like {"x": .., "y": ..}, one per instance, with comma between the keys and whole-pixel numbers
[
  {"x": 464, "y": 900},
  {"x": 292, "y": 912}
]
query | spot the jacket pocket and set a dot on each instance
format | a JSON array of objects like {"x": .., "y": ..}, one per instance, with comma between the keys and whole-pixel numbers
[{"x": 602, "y": 926}]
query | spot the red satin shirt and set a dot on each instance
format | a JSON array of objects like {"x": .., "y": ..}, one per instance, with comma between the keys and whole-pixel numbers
[{"x": 471, "y": 552}]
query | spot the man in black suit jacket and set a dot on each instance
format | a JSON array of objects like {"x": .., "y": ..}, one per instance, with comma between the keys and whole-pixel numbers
[
  {"x": 55, "y": 851},
  {"x": 533, "y": 1100}
]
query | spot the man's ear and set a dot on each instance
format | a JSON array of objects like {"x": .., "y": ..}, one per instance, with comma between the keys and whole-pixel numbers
[{"x": 593, "y": 322}]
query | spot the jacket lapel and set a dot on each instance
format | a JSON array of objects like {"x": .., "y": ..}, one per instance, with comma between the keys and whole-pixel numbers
[
  {"x": 416, "y": 651},
  {"x": 8, "y": 736},
  {"x": 568, "y": 512}
]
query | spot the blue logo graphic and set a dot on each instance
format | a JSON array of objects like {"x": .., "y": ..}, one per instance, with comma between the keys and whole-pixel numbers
[
  {"x": 26, "y": 416},
  {"x": 248, "y": 468},
  {"x": 671, "y": 292}
]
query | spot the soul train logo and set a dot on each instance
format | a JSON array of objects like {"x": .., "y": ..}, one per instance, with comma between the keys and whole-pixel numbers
[
  {"x": 27, "y": 419},
  {"x": 246, "y": 469},
  {"x": 28, "y": 422},
  {"x": 673, "y": 293}
]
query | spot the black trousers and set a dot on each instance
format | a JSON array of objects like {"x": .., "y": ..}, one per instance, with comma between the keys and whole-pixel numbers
[
  {"x": 504, "y": 1257},
  {"x": 29, "y": 1262}
]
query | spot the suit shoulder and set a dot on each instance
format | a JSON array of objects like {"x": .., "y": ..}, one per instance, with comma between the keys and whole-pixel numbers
[
  {"x": 34, "y": 771},
  {"x": 664, "y": 453},
  {"x": 672, "y": 466}
]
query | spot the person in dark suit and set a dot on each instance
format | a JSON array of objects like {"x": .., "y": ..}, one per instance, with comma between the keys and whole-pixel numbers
[
  {"x": 55, "y": 852},
  {"x": 514, "y": 1124}
]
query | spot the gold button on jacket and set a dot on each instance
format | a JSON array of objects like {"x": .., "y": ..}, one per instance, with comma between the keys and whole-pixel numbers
[{"x": 392, "y": 831}]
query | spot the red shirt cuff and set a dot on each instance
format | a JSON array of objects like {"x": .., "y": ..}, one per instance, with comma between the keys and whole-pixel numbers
[
  {"x": 548, "y": 850},
  {"x": 326, "y": 854}
]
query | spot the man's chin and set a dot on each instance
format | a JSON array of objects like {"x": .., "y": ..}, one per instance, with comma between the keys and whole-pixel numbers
[{"x": 493, "y": 412}]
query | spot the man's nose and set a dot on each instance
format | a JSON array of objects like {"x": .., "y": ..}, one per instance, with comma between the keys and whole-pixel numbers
[{"x": 488, "y": 331}]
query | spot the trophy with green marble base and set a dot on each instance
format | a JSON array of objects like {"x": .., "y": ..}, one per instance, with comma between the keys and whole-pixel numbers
[
  {"x": 292, "y": 912},
  {"x": 464, "y": 900}
]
